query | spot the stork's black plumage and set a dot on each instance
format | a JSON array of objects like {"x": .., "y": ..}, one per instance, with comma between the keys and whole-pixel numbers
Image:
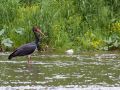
[{"x": 29, "y": 48}]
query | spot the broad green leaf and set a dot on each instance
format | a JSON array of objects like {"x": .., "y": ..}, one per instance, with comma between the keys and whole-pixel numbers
[
  {"x": 7, "y": 42},
  {"x": 116, "y": 44},
  {"x": 2, "y": 32},
  {"x": 19, "y": 31}
]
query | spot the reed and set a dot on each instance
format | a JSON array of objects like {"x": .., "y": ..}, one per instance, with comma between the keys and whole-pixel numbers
[{"x": 78, "y": 24}]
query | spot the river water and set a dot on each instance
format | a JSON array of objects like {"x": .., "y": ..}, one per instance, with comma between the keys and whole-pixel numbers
[{"x": 60, "y": 72}]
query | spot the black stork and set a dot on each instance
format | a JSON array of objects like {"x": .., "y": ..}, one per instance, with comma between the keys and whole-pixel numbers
[{"x": 28, "y": 48}]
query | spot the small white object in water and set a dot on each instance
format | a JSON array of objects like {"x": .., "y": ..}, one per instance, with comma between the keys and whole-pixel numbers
[{"x": 69, "y": 52}]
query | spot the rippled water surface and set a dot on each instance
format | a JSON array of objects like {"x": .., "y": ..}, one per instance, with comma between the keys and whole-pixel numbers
[{"x": 60, "y": 72}]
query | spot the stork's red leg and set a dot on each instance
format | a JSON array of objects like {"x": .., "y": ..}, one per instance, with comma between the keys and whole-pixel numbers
[{"x": 29, "y": 59}]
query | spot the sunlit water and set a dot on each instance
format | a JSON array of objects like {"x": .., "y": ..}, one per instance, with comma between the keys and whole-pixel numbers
[{"x": 60, "y": 72}]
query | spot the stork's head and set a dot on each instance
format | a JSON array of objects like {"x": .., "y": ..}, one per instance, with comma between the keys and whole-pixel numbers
[{"x": 37, "y": 30}]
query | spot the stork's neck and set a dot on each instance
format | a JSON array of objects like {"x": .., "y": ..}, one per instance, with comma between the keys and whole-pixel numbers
[
  {"x": 36, "y": 38},
  {"x": 36, "y": 41}
]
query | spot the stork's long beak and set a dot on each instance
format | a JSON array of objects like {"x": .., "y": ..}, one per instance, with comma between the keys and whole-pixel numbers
[{"x": 40, "y": 32}]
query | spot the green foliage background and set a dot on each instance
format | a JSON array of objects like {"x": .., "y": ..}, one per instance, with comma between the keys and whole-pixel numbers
[{"x": 78, "y": 24}]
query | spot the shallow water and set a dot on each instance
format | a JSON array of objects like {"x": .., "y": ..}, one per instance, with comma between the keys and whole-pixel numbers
[{"x": 60, "y": 72}]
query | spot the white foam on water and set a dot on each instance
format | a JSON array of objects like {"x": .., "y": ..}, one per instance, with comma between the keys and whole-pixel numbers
[
  {"x": 13, "y": 61},
  {"x": 57, "y": 88}
]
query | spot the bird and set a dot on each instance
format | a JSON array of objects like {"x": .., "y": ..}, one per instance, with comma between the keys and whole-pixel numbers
[{"x": 29, "y": 48}]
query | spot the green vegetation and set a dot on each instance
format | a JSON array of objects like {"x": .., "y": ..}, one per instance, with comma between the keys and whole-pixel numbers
[{"x": 78, "y": 24}]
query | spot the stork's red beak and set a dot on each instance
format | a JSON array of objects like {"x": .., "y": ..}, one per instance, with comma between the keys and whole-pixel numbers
[{"x": 38, "y": 30}]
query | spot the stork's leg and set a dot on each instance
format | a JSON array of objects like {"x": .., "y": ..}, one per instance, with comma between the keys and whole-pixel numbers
[{"x": 29, "y": 59}]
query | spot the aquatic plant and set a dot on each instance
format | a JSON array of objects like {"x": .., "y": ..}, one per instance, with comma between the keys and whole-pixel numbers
[{"x": 78, "y": 24}]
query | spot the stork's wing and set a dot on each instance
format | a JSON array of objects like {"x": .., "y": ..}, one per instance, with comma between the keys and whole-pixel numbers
[{"x": 24, "y": 50}]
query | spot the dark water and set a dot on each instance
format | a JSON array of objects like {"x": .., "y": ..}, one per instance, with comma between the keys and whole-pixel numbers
[{"x": 60, "y": 72}]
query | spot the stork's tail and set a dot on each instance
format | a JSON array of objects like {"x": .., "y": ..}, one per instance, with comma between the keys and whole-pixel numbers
[{"x": 10, "y": 56}]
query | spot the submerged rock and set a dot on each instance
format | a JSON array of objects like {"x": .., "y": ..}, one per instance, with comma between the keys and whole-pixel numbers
[{"x": 69, "y": 52}]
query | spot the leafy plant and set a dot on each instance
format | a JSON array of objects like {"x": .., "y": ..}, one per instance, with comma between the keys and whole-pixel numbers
[
  {"x": 112, "y": 43},
  {"x": 79, "y": 24},
  {"x": 7, "y": 42},
  {"x": 20, "y": 31},
  {"x": 2, "y": 32}
]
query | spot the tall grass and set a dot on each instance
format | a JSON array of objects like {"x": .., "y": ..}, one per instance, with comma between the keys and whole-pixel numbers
[{"x": 78, "y": 24}]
